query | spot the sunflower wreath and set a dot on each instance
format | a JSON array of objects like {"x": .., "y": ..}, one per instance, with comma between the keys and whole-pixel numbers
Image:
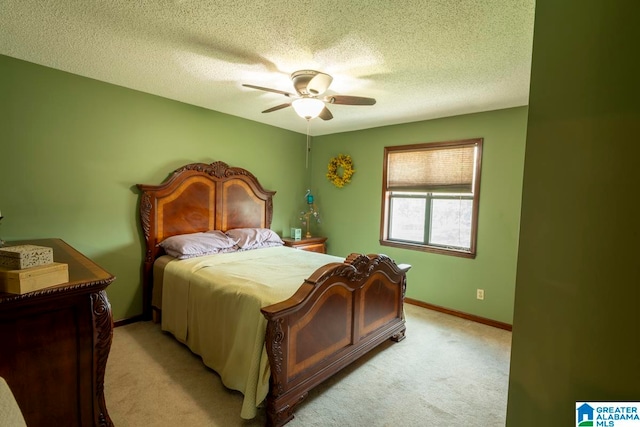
[{"x": 341, "y": 161}]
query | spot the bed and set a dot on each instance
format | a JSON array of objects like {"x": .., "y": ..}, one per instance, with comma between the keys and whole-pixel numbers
[{"x": 307, "y": 316}]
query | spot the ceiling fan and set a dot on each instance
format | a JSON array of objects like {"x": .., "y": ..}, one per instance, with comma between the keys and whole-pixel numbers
[{"x": 309, "y": 85}]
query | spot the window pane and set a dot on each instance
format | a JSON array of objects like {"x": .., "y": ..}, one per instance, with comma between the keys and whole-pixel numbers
[
  {"x": 451, "y": 222},
  {"x": 407, "y": 219}
]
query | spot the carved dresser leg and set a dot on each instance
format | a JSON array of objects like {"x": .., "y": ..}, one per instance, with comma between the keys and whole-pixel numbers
[{"x": 102, "y": 337}]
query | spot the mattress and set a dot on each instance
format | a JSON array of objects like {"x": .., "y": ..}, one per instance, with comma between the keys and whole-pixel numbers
[{"x": 212, "y": 304}]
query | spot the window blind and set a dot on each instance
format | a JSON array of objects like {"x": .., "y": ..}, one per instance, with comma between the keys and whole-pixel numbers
[{"x": 435, "y": 170}]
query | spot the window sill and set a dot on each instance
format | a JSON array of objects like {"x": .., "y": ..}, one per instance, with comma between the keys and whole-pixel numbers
[{"x": 432, "y": 249}]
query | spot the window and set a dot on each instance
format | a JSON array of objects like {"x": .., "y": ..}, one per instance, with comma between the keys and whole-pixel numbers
[{"x": 430, "y": 197}]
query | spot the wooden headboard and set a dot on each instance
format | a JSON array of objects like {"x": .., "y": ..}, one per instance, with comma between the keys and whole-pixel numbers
[{"x": 199, "y": 197}]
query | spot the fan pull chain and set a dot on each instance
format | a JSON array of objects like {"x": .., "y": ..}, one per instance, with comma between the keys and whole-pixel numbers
[{"x": 308, "y": 146}]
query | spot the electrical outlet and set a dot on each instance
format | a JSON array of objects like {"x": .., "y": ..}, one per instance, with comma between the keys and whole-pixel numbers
[{"x": 480, "y": 293}]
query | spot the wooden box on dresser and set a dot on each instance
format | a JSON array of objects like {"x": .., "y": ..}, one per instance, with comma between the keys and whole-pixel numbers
[
  {"x": 311, "y": 244},
  {"x": 54, "y": 344}
]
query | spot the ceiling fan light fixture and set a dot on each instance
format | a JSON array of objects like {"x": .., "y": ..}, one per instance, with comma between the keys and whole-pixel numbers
[
  {"x": 309, "y": 84},
  {"x": 308, "y": 108}
]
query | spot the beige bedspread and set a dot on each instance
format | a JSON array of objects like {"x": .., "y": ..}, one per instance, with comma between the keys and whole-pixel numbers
[{"x": 212, "y": 304}]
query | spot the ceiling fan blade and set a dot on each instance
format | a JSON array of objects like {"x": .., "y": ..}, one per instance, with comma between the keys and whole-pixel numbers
[
  {"x": 277, "y": 107},
  {"x": 319, "y": 84},
  {"x": 349, "y": 100},
  {"x": 325, "y": 114},
  {"x": 281, "y": 92}
]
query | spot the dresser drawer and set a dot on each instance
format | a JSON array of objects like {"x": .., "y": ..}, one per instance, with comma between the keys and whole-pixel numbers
[{"x": 311, "y": 244}]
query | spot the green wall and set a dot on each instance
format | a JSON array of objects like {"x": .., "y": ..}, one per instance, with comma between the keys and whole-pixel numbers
[
  {"x": 72, "y": 150},
  {"x": 576, "y": 321},
  {"x": 351, "y": 215}
]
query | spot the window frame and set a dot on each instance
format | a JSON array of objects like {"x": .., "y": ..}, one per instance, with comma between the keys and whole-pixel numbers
[{"x": 428, "y": 196}]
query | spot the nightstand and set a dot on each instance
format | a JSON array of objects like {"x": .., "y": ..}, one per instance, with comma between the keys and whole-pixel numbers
[{"x": 311, "y": 244}]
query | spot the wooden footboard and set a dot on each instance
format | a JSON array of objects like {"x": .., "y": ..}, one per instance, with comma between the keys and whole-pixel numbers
[{"x": 340, "y": 313}]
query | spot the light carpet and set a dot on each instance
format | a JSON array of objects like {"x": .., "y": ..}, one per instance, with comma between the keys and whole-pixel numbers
[{"x": 447, "y": 372}]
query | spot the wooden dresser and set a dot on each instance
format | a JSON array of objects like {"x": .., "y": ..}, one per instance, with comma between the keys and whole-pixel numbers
[
  {"x": 54, "y": 344},
  {"x": 311, "y": 244}
]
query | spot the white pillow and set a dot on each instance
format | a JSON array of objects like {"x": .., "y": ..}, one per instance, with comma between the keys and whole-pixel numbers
[
  {"x": 254, "y": 238},
  {"x": 192, "y": 245}
]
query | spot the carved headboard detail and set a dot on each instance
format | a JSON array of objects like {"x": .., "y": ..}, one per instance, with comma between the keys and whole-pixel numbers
[{"x": 199, "y": 197}]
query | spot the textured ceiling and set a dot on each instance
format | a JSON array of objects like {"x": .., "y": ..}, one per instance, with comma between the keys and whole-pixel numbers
[{"x": 421, "y": 59}]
